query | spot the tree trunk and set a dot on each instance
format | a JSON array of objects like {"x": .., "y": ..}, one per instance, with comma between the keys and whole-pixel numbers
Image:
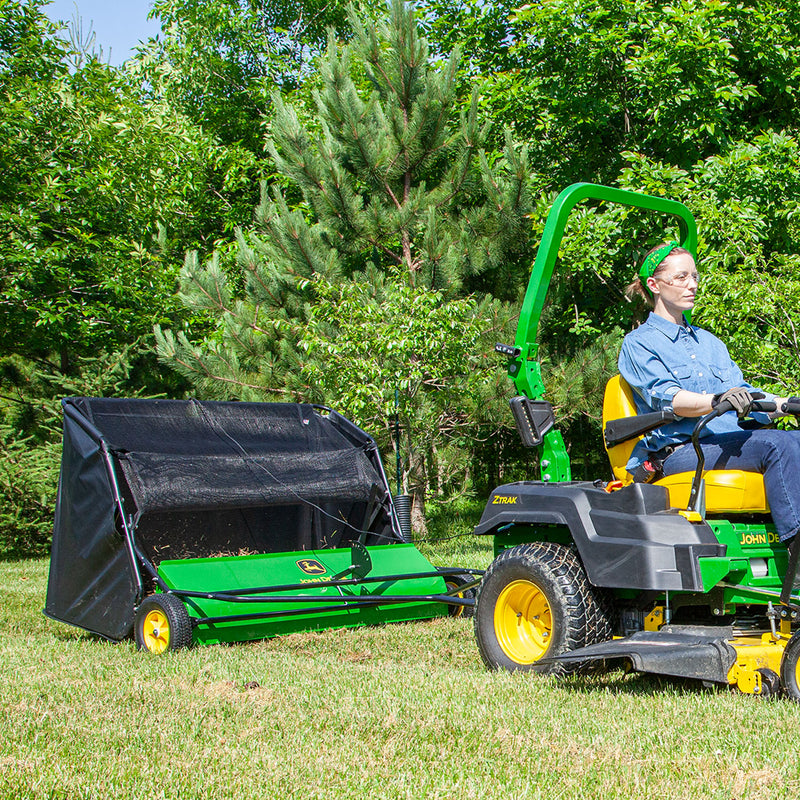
[
  {"x": 65, "y": 363},
  {"x": 418, "y": 522},
  {"x": 417, "y": 489}
]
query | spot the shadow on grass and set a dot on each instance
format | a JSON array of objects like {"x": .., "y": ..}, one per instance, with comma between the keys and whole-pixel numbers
[{"x": 616, "y": 681}]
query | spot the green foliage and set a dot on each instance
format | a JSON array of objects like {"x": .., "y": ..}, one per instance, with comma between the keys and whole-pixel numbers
[
  {"x": 28, "y": 480},
  {"x": 575, "y": 387},
  {"x": 393, "y": 218},
  {"x": 374, "y": 335},
  {"x": 691, "y": 100},
  {"x": 218, "y": 62},
  {"x": 387, "y": 354},
  {"x": 98, "y": 193},
  {"x": 676, "y": 81},
  {"x": 577, "y": 382},
  {"x": 484, "y": 32},
  {"x": 758, "y": 317},
  {"x": 389, "y": 180},
  {"x": 30, "y": 439}
]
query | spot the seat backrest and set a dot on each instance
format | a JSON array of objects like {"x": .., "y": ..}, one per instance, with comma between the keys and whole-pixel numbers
[
  {"x": 618, "y": 403},
  {"x": 726, "y": 490}
]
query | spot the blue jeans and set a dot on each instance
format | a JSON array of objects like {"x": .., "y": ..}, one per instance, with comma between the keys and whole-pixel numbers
[{"x": 774, "y": 453}]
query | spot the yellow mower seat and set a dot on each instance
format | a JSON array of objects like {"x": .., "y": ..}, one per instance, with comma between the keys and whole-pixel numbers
[{"x": 727, "y": 490}]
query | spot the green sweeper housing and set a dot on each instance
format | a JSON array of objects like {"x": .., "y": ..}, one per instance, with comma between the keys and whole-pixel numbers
[{"x": 188, "y": 522}]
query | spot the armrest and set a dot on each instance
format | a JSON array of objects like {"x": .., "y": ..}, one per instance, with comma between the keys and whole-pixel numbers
[{"x": 620, "y": 430}]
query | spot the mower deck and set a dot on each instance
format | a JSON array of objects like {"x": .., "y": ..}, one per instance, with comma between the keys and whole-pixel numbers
[{"x": 717, "y": 655}]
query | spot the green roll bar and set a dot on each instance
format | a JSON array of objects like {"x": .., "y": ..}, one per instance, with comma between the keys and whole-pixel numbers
[{"x": 524, "y": 367}]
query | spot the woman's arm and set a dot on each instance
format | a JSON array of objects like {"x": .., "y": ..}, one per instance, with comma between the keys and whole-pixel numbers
[{"x": 691, "y": 404}]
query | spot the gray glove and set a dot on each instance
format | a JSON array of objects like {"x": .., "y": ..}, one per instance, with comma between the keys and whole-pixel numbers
[{"x": 739, "y": 398}]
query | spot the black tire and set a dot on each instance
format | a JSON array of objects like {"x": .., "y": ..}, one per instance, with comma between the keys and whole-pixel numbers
[
  {"x": 535, "y": 602},
  {"x": 454, "y": 582},
  {"x": 790, "y": 669},
  {"x": 770, "y": 683},
  {"x": 162, "y": 624}
]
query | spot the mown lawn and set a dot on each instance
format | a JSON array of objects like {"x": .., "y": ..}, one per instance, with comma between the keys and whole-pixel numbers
[{"x": 402, "y": 711}]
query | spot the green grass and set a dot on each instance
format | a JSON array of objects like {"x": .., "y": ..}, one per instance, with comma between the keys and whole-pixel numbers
[{"x": 401, "y": 711}]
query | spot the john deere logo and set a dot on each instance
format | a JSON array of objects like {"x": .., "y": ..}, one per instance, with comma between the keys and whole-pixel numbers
[
  {"x": 310, "y": 566},
  {"x": 759, "y": 538}
]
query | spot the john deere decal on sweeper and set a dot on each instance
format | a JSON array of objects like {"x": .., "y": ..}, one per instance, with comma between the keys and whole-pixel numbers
[
  {"x": 203, "y": 522},
  {"x": 687, "y": 570}
]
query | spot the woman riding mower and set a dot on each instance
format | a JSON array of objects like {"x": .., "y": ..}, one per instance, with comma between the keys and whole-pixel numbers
[{"x": 672, "y": 364}]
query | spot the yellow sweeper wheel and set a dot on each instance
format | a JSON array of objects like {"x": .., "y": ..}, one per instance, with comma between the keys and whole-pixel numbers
[
  {"x": 454, "y": 582},
  {"x": 162, "y": 624}
]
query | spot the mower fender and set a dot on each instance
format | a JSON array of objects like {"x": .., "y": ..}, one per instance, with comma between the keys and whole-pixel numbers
[{"x": 629, "y": 538}]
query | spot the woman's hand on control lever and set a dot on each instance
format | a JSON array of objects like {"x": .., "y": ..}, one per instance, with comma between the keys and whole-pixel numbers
[{"x": 740, "y": 399}]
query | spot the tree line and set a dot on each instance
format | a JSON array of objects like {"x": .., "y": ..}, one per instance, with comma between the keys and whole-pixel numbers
[{"x": 341, "y": 204}]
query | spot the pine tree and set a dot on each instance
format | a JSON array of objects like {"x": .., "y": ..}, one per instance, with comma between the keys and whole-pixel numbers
[{"x": 362, "y": 278}]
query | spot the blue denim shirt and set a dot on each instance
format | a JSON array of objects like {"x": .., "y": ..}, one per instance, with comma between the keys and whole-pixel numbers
[{"x": 660, "y": 358}]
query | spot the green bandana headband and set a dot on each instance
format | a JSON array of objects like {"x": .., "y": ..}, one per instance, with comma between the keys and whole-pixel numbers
[{"x": 652, "y": 262}]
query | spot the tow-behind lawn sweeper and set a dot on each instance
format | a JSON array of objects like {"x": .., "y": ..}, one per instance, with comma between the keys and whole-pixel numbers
[
  {"x": 686, "y": 572},
  {"x": 191, "y": 522}
]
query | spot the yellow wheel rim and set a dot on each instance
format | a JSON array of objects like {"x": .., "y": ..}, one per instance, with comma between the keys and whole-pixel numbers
[
  {"x": 155, "y": 631},
  {"x": 455, "y": 611},
  {"x": 523, "y": 622}
]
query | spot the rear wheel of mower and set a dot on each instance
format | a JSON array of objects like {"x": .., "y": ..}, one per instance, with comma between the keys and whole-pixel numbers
[
  {"x": 790, "y": 669},
  {"x": 453, "y": 582},
  {"x": 535, "y": 601},
  {"x": 162, "y": 624}
]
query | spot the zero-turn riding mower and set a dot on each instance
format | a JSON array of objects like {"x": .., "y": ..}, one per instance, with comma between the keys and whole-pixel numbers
[{"x": 684, "y": 576}]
